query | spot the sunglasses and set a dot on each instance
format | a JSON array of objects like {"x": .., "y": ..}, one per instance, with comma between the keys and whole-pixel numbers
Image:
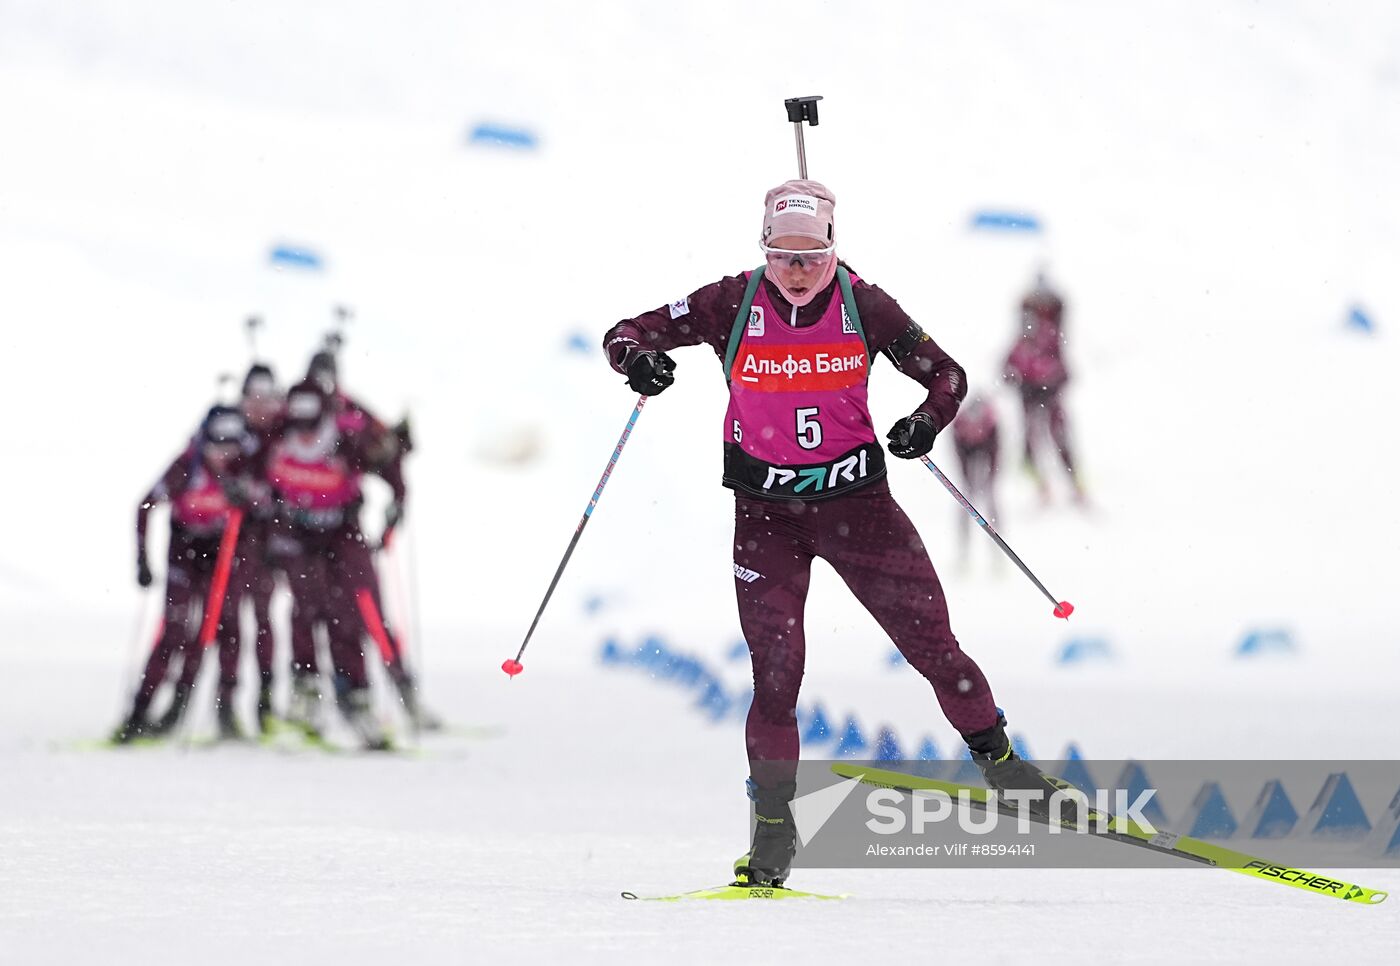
[{"x": 815, "y": 257}]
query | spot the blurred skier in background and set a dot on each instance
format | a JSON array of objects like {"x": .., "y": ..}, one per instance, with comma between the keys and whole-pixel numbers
[
  {"x": 1036, "y": 367},
  {"x": 262, "y": 403},
  {"x": 386, "y": 446},
  {"x": 808, "y": 472},
  {"x": 977, "y": 439},
  {"x": 201, "y": 487},
  {"x": 315, "y": 468}
]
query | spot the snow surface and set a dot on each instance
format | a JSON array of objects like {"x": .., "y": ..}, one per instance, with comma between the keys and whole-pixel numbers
[{"x": 1216, "y": 181}]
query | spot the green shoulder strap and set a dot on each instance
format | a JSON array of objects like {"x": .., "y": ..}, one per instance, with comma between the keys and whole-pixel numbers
[
  {"x": 848, "y": 298},
  {"x": 736, "y": 334}
]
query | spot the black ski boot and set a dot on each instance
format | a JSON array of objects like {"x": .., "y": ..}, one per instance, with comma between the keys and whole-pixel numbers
[
  {"x": 169, "y": 721},
  {"x": 229, "y": 729},
  {"x": 266, "y": 719},
  {"x": 355, "y": 706},
  {"x": 132, "y": 729},
  {"x": 774, "y": 837},
  {"x": 1004, "y": 771}
]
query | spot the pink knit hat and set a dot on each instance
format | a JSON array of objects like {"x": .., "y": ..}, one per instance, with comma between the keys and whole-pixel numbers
[{"x": 803, "y": 208}]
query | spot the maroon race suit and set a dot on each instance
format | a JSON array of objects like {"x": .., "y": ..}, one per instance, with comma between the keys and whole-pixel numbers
[
  {"x": 316, "y": 537},
  {"x": 200, "y": 502},
  {"x": 1036, "y": 366},
  {"x": 861, "y": 532},
  {"x": 381, "y": 446},
  {"x": 256, "y": 578}
]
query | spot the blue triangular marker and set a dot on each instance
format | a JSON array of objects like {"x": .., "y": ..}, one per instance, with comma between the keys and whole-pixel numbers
[
  {"x": 1023, "y": 750},
  {"x": 927, "y": 762},
  {"x": 611, "y": 653},
  {"x": 1209, "y": 816},
  {"x": 967, "y": 773},
  {"x": 887, "y": 746},
  {"x": 1134, "y": 781},
  {"x": 1385, "y": 839},
  {"x": 818, "y": 727},
  {"x": 1336, "y": 813},
  {"x": 895, "y": 658},
  {"x": 1076, "y": 772},
  {"x": 852, "y": 741},
  {"x": 1390, "y": 847},
  {"x": 1273, "y": 815}
]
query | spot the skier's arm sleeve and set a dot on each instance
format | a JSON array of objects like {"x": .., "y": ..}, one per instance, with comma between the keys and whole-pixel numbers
[
  {"x": 171, "y": 481},
  {"x": 366, "y": 457},
  {"x": 890, "y": 331},
  {"x": 706, "y": 315}
]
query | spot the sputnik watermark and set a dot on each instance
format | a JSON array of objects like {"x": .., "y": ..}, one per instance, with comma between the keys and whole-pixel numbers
[
  {"x": 980, "y": 814},
  {"x": 894, "y": 812}
]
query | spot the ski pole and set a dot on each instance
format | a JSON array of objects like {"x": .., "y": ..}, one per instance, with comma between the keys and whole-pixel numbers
[
  {"x": 219, "y": 584},
  {"x": 512, "y": 665},
  {"x": 136, "y": 655},
  {"x": 1063, "y": 608},
  {"x": 801, "y": 109},
  {"x": 393, "y": 583},
  {"x": 413, "y": 616},
  {"x": 213, "y": 612}
]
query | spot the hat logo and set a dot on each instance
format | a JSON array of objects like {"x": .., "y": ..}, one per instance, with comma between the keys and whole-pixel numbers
[{"x": 804, "y": 204}]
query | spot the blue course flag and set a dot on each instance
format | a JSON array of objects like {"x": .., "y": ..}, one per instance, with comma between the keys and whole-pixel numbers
[
  {"x": 991, "y": 220},
  {"x": 294, "y": 256},
  {"x": 503, "y": 135}
]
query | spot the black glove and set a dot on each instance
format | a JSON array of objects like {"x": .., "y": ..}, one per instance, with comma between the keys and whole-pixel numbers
[
  {"x": 143, "y": 570},
  {"x": 912, "y": 436},
  {"x": 648, "y": 372},
  {"x": 404, "y": 433}
]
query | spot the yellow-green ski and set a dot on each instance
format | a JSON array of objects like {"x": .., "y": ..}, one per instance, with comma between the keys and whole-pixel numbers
[
  {"x": 1129, "y": 832},
  {"x": 736, "y": 891}
]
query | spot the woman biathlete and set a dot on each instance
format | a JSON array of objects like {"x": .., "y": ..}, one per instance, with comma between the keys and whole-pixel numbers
[{"x": 796, "y": 339}]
